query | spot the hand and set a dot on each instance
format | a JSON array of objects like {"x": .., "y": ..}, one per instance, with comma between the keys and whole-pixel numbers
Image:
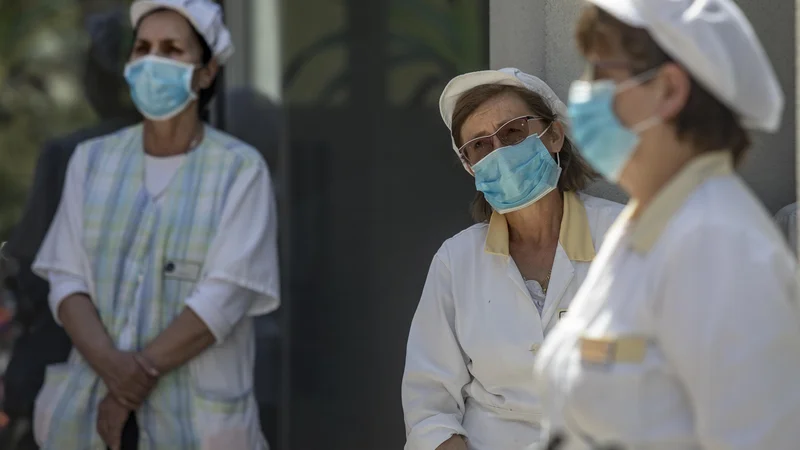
[
  {"x": 129, "y": 377},
  {"x": 111, "y": 418},
  {"x": 456, "y": 442}
]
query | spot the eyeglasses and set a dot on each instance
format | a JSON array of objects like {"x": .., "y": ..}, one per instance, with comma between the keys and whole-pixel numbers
[{"x": 511, "y": 133}]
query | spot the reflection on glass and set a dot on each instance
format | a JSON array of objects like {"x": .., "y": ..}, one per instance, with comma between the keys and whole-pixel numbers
[
  {"x": 430, "y": 42},
  {"x": 315, "y": 52}
]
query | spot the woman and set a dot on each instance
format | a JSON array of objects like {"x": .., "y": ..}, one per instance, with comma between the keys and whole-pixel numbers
[
  {"x": 495, "y": 289},
  {"x": 685, "y": 334},
  {"x": 162, "y": 249}
]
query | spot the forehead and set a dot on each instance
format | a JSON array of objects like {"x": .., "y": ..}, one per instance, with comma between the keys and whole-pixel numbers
[
  {"x": 165, "y": 25},
  {"x": 494, "y": 112}
]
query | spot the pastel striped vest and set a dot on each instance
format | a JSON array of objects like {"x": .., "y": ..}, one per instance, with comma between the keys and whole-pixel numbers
[{"x": 134, "y": 244}]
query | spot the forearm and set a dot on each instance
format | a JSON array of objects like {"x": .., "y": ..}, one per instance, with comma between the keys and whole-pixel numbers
[
  {"x": 84, "y": 327},
  {"x": 184, "y": 339}
]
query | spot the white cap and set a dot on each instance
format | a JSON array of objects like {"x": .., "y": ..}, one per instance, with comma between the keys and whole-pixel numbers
[
  {"x": 204, "y": 15},
  {"x": 715, "y": 42},
  {"x": 509, "y": 76}
]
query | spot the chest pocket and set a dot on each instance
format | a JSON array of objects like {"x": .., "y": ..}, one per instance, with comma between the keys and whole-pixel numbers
[
  {"x": 608, "y": 388},
  {"x": 180, "y": 277}
]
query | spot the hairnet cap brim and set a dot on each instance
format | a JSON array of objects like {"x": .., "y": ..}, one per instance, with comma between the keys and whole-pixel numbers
[
  {"x": 221, "y": 48},
  {"x": 144, "y": 7},
  {"x": 461, "y": 84},
  {"x": 624, "y": 10},
  {"x": 716, "y": 44}
]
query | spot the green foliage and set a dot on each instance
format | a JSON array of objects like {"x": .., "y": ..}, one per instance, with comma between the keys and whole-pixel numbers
[{"x": 41, "y": 56}]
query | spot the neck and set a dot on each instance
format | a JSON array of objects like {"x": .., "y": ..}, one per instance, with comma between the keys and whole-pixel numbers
[
  {"x": 174, "y": 136},
  {"x": 538, "y": 224},
  {"x": 651, "y": 168}
]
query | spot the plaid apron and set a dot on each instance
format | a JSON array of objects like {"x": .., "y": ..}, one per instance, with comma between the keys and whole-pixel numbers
[{"x": 135, "y": 246}]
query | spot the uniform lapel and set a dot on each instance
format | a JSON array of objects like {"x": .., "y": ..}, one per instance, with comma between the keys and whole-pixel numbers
[{"x": 560, "y": 278}]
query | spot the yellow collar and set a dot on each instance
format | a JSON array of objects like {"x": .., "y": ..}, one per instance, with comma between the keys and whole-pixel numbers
[
  {"x": 575, "y": 235},
  {"x": 651, "y": 223}
]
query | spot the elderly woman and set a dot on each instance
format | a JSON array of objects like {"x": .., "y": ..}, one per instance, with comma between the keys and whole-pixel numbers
[
  {"x": 495, "y": 289},
  {"x": 685, "y": 335},
  {"x": 162, "y": 249}
]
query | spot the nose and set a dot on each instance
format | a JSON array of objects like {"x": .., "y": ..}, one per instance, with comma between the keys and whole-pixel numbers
[{"x": 496, "y": 142}]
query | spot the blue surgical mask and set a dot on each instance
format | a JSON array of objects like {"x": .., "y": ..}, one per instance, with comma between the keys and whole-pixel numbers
[
  {"x": 161, "y": 88},
  {"x": 601, "y": 139},
  {"x": 517, "y": 176}
]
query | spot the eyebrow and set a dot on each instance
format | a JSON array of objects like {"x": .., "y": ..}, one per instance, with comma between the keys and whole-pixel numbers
[{"x": 169, "y": 40}]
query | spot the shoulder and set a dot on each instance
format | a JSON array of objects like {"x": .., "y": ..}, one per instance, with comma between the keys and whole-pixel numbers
[
  {"x": 601, "y": 214},
  {"x": 466, "y": 244},
  {"x": 600, "y": 206},
  {"x": 110, "y": 140},
  {"x": 236, "y": 151},
  {"x": 725, "y": 217}
]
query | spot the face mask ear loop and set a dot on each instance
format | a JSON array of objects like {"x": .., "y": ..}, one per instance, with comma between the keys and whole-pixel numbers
[
  {"x": 637, "y": 80},
  {"x": 558, "y": 159}
]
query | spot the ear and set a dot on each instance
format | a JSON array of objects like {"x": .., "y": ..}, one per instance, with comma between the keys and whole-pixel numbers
[
  {"x": 205, "y": 75},
  {"x": 675, "y": 85},
  {"x": 554, "y": 138}
]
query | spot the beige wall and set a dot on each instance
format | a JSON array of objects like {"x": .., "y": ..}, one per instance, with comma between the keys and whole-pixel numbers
[{"x": 536, "y": 35}]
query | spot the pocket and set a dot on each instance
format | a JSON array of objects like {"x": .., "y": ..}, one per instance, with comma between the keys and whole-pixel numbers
[
  {"x": 227, "y": 423},
  {"x": 183, "y": 270},
  {"x": 612, "y": 387},
  {"x": 55, "y": 382}
]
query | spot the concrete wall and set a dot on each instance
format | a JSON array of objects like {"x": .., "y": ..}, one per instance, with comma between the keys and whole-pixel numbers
[{"x": 537, "y": 36}]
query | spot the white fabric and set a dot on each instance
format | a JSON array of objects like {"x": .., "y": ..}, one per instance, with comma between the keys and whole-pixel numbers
[
  {"x": 537, "y": 294},
  {"x": 716, "y": 300},
  {"x": 222, "y": 298},
  {"x": 716, "y": 43},
  {"x": 473, "y": 338},
  {"x": 787, "y": 222},
  {"x": 158, "y": 172},
  {"x": 219, "y": 305},
  {"x": 204, "y": 15},
  {"x": 510, "y": 76}
]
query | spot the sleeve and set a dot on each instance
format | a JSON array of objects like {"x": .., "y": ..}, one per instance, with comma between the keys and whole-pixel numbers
[
  {"x": 730, "y": 326},
  {"x": 62, "y": 285},
  {"x": 244, "y": 252},
  {"x": 220, "y": 305},
  {"x": 436, "y": 367},
  {"x": 62, "y": 257}
]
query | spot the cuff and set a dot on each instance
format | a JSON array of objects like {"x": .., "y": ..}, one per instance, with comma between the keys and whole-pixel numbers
[
  {"x": 432, "y": 432},
  {"x": 220, "y": 306},
  {"x": 62, "y": 285}
]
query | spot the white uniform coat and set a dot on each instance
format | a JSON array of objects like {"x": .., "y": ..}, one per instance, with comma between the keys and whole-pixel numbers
[
  {"x": 686, "y": 333},
  {"x": 475, "y": 333}
]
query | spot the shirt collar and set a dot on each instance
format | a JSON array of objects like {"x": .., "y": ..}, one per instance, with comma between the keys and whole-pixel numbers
[
  {"x": 575, "y": 235},
  {"x": 648, "y": 227}
]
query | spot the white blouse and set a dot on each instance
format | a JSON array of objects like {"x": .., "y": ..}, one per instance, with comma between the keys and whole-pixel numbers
[
  {"x": 686, "y": 333},
  {"x": 477, "y": 328}
]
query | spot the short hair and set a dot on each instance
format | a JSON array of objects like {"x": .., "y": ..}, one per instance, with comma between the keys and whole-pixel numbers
[
  {"x": 704, "y": 121},
  {"x": 576, "y": 174}
]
